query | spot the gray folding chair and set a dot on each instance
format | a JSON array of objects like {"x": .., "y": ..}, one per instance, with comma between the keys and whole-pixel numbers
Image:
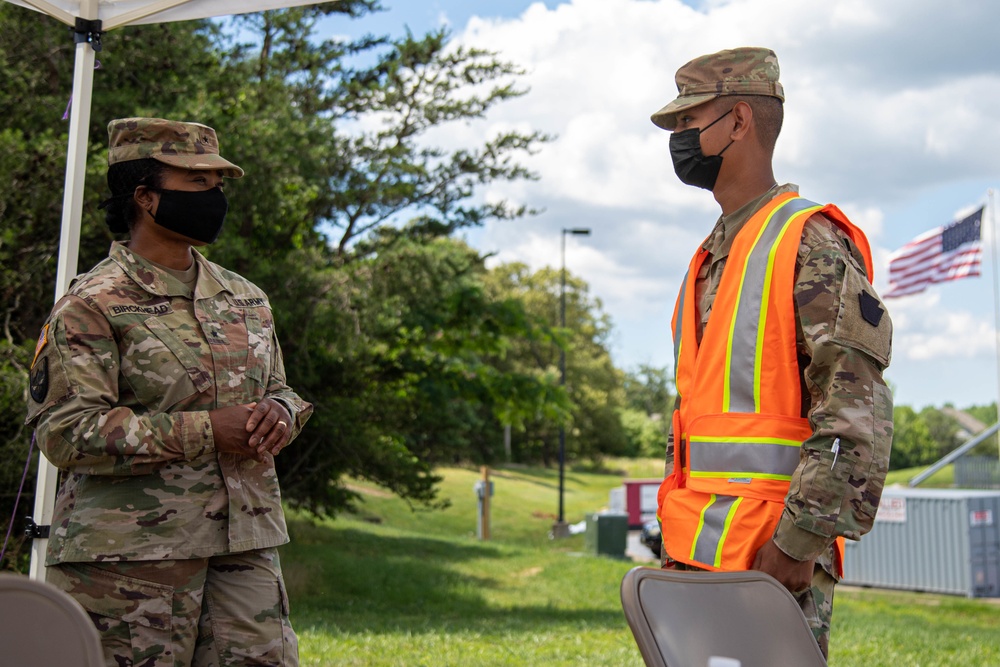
[
  {"x": 682, "y": 619},
  {"x": 42, "y": 626}
]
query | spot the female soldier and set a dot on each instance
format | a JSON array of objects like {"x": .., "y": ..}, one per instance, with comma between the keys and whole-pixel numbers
[{"x": 159, "y": 389}]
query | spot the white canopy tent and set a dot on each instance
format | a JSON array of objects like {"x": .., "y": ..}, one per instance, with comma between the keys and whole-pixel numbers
[{"x": 90, "y": 18}]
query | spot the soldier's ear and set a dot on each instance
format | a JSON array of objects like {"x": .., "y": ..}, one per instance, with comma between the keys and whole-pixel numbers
[
  {"x": 146, "y": 198},
  {"x": 742, "y": 119}
]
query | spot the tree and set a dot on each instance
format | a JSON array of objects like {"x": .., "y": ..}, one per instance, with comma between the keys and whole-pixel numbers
[
  {"x": 943, "y": 430},
  {"x": 593, "y": 384},
  {"x": 413, "y": 377},
  {"x": 343, "y": 191},
  {"x": 912, "y": 443}
]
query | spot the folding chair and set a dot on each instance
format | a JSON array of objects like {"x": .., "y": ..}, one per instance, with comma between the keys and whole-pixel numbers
[
  {"x": 42, "y": 626},
  {"x": 682, "y": 619}
]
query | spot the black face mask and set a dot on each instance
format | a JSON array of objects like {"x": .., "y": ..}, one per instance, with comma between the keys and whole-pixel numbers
[
  {"x": 196, "y": 215},
  {"x": 691, "y": 165}
]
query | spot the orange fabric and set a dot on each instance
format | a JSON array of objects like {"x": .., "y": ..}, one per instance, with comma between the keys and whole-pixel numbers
[{"x": 701, "y": 382}]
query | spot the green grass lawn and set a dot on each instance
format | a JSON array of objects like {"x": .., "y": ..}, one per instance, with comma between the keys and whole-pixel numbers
[{"x": 395, "y": 587}]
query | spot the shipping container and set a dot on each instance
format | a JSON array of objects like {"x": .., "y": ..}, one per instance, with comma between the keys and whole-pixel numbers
[{"x": 933, "y": 540}]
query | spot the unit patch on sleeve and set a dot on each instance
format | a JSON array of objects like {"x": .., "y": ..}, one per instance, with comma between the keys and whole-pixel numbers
[
  {"x": 871, "y": 309},
  {"x": 39, "y": 384}
]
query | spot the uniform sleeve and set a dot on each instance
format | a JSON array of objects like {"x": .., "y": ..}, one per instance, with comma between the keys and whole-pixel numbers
[
  {"x": 844, "y": 345},
  {"x": 668, "y": 464},
  {"x": 74, "y": 403},
  {"x": 278, "y": 389}
]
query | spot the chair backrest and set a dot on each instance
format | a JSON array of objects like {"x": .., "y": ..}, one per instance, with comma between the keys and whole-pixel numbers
[
  {"x": 42, "y": 626},
  {"x": 682, "y": 619}
]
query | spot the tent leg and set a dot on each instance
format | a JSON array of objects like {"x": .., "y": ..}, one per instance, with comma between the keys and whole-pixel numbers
[{"x": 69, "y": 251}]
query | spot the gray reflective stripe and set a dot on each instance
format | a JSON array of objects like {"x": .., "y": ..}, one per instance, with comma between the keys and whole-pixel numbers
[
  {"x": 746, "y": 324},
  {"x": 710, "y": 532},
  {"x": 765, "y": 458},
  {"x": 679, "y": 328}
]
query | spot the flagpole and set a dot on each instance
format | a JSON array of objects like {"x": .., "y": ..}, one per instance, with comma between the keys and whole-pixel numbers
[{"x": 991, "y": 197}]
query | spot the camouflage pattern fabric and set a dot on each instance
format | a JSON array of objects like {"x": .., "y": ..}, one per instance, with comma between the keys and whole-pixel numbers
[
  {"x": 180, "y": 144},
  {"x": 742, "y": 71},
  {"x": 126, "y": 370},
  {"x": 210, "y": 612}
]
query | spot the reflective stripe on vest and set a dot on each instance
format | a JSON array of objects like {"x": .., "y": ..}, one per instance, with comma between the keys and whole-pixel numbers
[
  {"x": 741, "y": 392},
  {"x": 752, "y": 458},
  {"x": 716, "y": 518}
]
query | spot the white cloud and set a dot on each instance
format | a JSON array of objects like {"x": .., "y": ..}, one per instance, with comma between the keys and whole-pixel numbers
[{"x": 889, "y": 114}]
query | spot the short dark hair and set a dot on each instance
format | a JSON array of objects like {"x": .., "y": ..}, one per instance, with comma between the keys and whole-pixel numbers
[
  {"x": 123, "y": 178},
  {"x": 768, "y": 112}
]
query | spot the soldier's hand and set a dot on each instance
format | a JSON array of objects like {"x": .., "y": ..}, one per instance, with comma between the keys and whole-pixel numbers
[
  {"x": 230, "y": 432},
  {"x": 795, "y": 575},
  {"x": 269, "y": 427}
]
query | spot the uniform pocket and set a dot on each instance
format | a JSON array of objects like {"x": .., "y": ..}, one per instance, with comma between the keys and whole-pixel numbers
[
  {"x": 290, "y": 643},
  {"x": 823, "y": 480},
  {"x": 259, "y": 333},
  {"x": 133, "y": 617},
  {"x": 160, "y": 367}
]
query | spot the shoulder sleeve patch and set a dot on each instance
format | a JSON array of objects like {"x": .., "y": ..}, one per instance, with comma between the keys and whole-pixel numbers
[
  {"x": 43, "y": 339},
  {"x": 862, "y": 321},
  {"x": 39, "y": 381}
]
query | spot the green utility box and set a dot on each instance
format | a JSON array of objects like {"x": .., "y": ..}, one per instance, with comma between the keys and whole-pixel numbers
[{"x": 607, "y": 534}]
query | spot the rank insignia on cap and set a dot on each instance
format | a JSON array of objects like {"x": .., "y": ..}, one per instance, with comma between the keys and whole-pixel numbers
[
  {"x": 871, "y": 309},
  {"x": 39, "y": 385}
]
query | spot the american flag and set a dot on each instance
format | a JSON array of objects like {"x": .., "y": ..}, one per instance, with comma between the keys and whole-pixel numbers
[{"x": 944, "y": 253}]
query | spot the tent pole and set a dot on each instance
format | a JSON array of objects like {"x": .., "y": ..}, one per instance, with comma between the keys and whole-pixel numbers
[{"x": 69, "y": 250}]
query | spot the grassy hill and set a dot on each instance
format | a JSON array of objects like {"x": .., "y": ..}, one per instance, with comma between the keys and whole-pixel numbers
[{"x": 391, "y": 586}]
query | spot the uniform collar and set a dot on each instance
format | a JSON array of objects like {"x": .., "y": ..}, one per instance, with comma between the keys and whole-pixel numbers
[
  {"x": 159, "y": 282},
  {"x": 720, "y": 241}
]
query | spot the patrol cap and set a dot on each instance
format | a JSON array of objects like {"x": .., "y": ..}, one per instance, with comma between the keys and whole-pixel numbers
[
  {"x": 179, "y": 144},
  {"x": 748, "y": 70}
]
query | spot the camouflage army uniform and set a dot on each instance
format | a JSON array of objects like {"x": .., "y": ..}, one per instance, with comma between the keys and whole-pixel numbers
[
  {"x": 151, "y": 521},
  {"x": 841, "y": 357}
]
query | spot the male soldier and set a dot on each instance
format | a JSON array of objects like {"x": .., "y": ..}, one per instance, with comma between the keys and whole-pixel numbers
[{"x": 780, "y": 436}]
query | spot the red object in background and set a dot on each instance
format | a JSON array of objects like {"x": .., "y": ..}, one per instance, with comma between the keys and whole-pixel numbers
[{"x": 640, "y": 500}]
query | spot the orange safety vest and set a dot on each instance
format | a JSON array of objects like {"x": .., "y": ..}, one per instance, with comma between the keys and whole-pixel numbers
[{"x": 739, "y": 430}]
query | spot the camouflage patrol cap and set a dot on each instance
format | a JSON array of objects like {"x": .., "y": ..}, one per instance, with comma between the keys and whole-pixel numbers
[
  {"x": 744, "y": 71},
  {"x": 179, "y": 144}
]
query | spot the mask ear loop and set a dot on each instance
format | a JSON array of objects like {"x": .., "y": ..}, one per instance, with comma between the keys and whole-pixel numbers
[{"x": 731, "y": 142}]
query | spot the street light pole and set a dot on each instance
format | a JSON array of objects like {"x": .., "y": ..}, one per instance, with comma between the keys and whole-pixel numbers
[{"x": 561, "y": 528}]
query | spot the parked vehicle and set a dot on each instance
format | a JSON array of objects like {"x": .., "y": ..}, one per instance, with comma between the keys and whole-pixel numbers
[{"x": 651, "y": 537}]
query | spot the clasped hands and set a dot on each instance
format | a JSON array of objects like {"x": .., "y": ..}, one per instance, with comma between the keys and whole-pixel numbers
[{"x": 253, "y": 429}]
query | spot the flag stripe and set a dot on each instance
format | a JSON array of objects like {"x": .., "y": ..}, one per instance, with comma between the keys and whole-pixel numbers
[{"x": 939, "y": 255}]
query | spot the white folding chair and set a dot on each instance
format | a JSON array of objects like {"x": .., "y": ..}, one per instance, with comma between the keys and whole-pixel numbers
[
  {"x": 683, "y": 619},
  {"x": 42, "y": 626}
]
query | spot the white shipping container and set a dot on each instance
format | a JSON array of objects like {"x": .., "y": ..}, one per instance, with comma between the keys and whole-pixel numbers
[{"x": 934, "y": 540}]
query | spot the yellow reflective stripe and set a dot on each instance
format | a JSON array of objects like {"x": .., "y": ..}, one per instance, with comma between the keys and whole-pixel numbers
[
  {"x": 766, "y": 297},
  {"x": 725, "y": 531},
  {"x": 721, "y": 474},
  {"x": 746, "y": 441},
  {"x": 701, "y": 524},
  {"x": 732, "y": 323}
]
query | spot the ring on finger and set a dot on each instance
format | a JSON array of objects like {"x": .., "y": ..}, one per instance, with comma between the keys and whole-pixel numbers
[{"x": 283, "y": 424}]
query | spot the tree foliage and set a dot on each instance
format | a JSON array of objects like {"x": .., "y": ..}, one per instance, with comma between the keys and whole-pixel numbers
[{"x": 344, "y": 217}]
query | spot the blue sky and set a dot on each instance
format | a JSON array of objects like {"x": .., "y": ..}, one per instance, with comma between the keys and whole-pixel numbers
[{"x": 890, "y": 114}]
